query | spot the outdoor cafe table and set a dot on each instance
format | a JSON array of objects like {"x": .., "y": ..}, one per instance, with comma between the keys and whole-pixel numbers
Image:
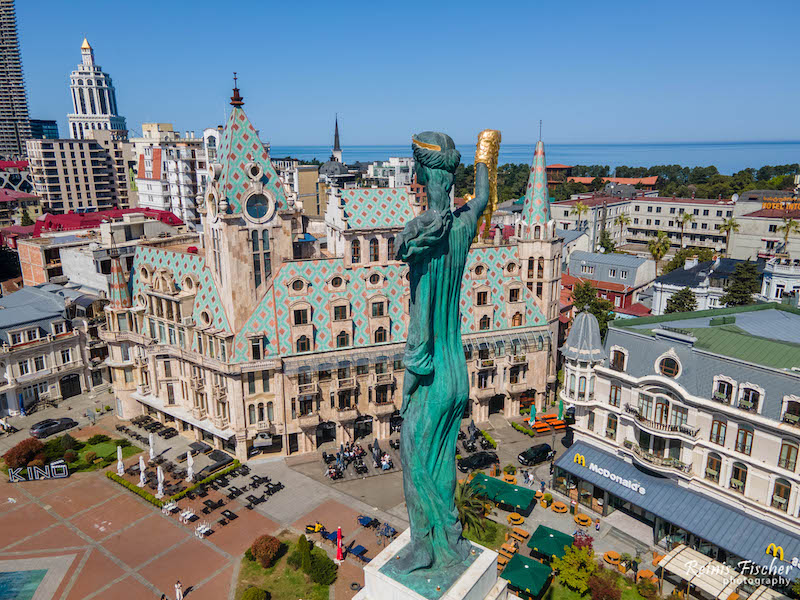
[
  {"x": 526, "y": 574},
  {"x": 500, "y": 492},
  {"x": 549, "y": 542}
]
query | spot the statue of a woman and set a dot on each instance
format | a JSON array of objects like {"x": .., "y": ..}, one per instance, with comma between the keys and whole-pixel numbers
[{"x": 436, "y": 387}]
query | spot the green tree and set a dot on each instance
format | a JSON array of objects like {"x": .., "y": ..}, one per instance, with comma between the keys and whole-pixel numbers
[
  {"x": 677, "y": 261},
  {"x": 658, "y": 247},
  {"x": 575, "y": 568},
  {"x": 304, "y": 552},
  {"x": 682, "y": 301},
  {"x": 622, "y": 220},
  {"x": 566, "y": 190},
  {"x": 743, "y": 284},
  {"x": 584, "y": 297},
  {"x": 728, "y": 227},
  {"x": 685, "y": 219},
  {"x": 579, "y": 210},
  {"x": 606, "y": 243},
  {"x": 469, "y": 507},
  {"x": 789, "y": 227},
  {"x": 25, "y": 219},
  {"x": 597, "y": 184}
]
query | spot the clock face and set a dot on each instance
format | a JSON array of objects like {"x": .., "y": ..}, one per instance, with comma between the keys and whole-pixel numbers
[{"x": 259, "y": 207}]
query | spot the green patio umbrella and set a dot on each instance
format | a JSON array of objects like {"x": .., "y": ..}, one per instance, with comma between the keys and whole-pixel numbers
[
  {"x": 533, "y": 413},
  {"x": 560, "y": 408}
]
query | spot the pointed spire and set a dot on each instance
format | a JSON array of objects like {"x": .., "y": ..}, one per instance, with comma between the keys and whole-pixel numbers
[
  {"x": 236, "y": 99},
  {"x": 336, "y": 146},
  {"x": 85, "y": 45},
  {"x": 118, "y": 293},
  {"x": 536, "y": 201}
]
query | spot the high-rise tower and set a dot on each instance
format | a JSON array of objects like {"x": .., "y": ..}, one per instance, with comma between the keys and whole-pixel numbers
[
  {"x": 94, "y": 100},
  {"x": 14, "y": 122}
]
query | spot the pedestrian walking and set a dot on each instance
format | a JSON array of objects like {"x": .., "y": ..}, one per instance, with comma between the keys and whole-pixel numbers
[
  {"x": 543, "y": 486},
  {"x": 178, "y": 591},
  {"x": 597, "y": 524}
]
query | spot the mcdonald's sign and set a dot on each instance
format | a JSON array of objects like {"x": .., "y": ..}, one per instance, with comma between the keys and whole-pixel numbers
[
  {"x": 580, "y": 459},
  {"x": 776, "y": 551}
]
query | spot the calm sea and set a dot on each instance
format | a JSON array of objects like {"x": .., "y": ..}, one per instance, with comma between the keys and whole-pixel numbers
[{"x": 727, "y": 157}]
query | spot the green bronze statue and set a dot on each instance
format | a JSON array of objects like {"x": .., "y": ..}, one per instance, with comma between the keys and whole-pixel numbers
[{"x": 436, "y": 387}]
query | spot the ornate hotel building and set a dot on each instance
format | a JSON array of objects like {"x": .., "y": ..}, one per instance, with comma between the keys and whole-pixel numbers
[
  {"x": 701, "y": 413},
  {"x": 247, "y": 333}
]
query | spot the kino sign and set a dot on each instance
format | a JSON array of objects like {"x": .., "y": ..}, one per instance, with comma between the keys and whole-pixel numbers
[
  {"x": 55, "y": 470},
  {"x": 631, "y": 485}
]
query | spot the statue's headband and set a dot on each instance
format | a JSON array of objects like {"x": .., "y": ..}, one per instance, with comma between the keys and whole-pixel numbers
[{"x": 426, "y": 145}]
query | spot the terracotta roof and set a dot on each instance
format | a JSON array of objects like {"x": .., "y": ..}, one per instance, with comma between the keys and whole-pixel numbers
[
  {"x": 559, "y": 166},
  {"x": 72, "y": 221},
  {"x": 571, "y": 280},
  {"x": 638, "y": 309},
  {"x": 14, "y": 195},
  {"x": 774, "y": 213},
  {"x": 595, "y": 200},
  {"x": 624, "y": 180}
]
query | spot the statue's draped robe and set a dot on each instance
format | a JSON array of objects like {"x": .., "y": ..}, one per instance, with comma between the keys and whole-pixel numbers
[{"x": 433, "y": 410}]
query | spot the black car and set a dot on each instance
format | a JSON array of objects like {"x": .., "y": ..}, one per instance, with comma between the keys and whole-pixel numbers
[
  {"x": 50, "y": 426},
  {"x": 479, "y": 460},
  {"x": 535, "y": 455}
]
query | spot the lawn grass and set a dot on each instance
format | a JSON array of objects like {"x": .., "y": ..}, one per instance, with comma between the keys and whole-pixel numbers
[
  {"x": 556, "y": 591},
  {"x": 106, "y": 450},
  {"x": 493, "y": 536},
  {"x": 280, "y": 580}
]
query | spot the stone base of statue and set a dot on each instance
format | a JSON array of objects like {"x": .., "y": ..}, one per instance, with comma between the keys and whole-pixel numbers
[{"x": 478, "y": 581}]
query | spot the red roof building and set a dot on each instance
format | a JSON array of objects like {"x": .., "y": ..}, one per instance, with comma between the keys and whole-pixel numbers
[{"x": 73, "y": 221}]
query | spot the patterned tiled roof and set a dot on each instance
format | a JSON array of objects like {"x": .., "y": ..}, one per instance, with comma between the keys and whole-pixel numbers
[
  {"x": 273, "y": 315},
  {"x": 371, "y": 208},
  {"x": 536, "y": 201},
  {"x": 240, "y": 145},
  {"x": 118, "y": 293},
  {"x": 182, "y": 264}
]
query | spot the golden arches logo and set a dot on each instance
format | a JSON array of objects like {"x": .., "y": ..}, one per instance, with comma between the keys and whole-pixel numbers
[
  {"x": 580, "y": 459},
  {"x": 776, "y": 551}
]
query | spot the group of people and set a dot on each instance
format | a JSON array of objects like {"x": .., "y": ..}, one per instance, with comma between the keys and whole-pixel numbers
[
  {"x": 352, "y": 451},
  {"x": 386, "y": 462}
]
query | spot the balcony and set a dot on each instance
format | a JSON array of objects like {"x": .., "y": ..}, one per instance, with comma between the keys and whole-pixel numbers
[
  {"x": 747, "y": 405},
  {"x": 219, "y": 392},
  {"x": 483, "y": 364},
  {"x": 347, "y": 413},
  {"x": 484, "y": 393},
  {"x": 143, "y": 389},
  {"x": 690, "y": 432},
  {"x": 516, "y": 387},
  {"x": 791, "y": 419},
  {"x": 309, "y": 420},
  {"x": 221, "y": 422},
  {"x": 308, "y": 389},
  {"x": 197, "y": 384},
  {"x": 737, "y": 485},
  {"x": 383, "y": 379},
  {"x": 779, "y": 502},
  {"x": 721, "y": 397},
  {"x": 712, "y": 475},
  {"x": 381, "y": 409},
  {"x": 658, "y": 461},
  {"x": 517, "y": 359},
  {"x": 265, "y": 427},
  {"x": 200, "y": 413},
  {"x": 344, "y": 383}
]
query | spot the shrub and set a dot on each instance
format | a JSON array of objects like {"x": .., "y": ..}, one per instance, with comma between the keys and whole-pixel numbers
[
  {"x": 265, "y": 548},
  {"x": 294, "y": 560},
  {"x": 548, "y": 498},
  {"x": 70, "y": 456},
  {"x": 123, "y": 443},
  {"x": 23, "y": 453},
  {"x": 489, "y": 439},
  {"x": 583, "y": 540},
  {"x": 98, "y": 439},
  {"x": 248, "y": 554},
  {"x": 255, "y": 593},
  {"x": 523, "y": 429},
  {"x": 107, "y": 407},
  {"x": 207, "y": 480},
  {"x": 36, "y": 462},
  {"x": 647, "y": 589},
  {"x": 603, "y": 586},
  {"x": 90, "y": 456},
  {"x": 510, "y": 469},
  {"x": 304, "y": 552},
  {"x": 135, "y": 489},
  {"x": 67, "y": 442},
  {"x": 323, "y": 569}
]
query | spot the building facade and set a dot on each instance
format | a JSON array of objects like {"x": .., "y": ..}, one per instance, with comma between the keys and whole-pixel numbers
[
  {"x": 395, "y": 172},
  {"x": 13, "y": 205},
  {"x": 14, "y": 121},
  {"x": 232, "y": 337},
  {"x": 171, "y": 170},
  {"x": 15, "y": 175},
  {"x": 82, "y": 175},
  {"x": 94, "y": 100},
  {"x": 695, "y": 410},
  {"x": 42, "y": 129}
]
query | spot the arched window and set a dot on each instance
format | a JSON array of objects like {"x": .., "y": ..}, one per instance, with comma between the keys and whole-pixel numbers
[
  {"x": 618, "y": 360},
  {"x": 611, "y": 427},
  {"x": 662, "y": 410},
  {"x": 788, "y": 458},
  {"x": 390, "y": 248},
  {"x": 374, "y": 255},
  {"x": 260, "y": 411},
  {"x": 718, "y": 429},
  {"x": 303, "y": 344},
  {"x": 713, "y": 467},
  {"x": 355, "y": 251},
  {"x": 342, "y": 339},
  {"x": 591, "y": 387},
  {"x": 484, "y": 323},
  {"x": 724, "y": 391},
  {"x": 750, "y": 399},
  {"x": 251, "y": 414},
  {"x": 780, "y": 494},
  {"x": 270, "y": 412},
  {"x": 540, "y": 268},
  {"x": 537, "y": 232},
  {"x": 572, "y": 385},
  {"x": 516, "y": 320},
  {"x": 380, "y": 335},
  {"x": 582, "y": 388},
  {"x": 744, "y": 439},
  {"x": 738, "y": 477}
]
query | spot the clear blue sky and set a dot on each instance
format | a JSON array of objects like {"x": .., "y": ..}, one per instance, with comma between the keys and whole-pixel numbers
[{"x": 595, "y": 72}]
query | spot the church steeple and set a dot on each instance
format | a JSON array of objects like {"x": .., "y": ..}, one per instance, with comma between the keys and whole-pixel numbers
[
  {"x": 337, "y": 149},
  {"x": 236, "y": 99},
  {"x": 536, "y": 202}
]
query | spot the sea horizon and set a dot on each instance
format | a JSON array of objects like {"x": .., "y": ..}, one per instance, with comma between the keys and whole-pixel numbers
[{"x": 728, "y": 157}]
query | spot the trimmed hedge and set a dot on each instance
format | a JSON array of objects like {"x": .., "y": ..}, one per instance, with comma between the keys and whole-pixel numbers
[
  {"x": 135, "y": 489},
  {"x": 207, "y": 480},
  {"x": 489, "y": 439},
  {"x": 523, "y": 429}
]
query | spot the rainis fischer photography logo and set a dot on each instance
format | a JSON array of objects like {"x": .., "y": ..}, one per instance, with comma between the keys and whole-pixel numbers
[{"x": 775, "y": 573}]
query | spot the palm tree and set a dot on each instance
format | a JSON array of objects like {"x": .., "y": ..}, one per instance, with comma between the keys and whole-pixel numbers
[
  {"x": 686, "y": 218},
  {"x": 789, "y": 227},
  {"x": 658, "y": 247},
  {"x": 470, "y": 507},
  {"x": 728, "y": 226},
  {"x": 579, "y": 209},
  {"x": 622, "y": 220}
]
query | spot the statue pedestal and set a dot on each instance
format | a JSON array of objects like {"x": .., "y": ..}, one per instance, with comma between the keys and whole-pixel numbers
[{"x": 478, "y": 582}]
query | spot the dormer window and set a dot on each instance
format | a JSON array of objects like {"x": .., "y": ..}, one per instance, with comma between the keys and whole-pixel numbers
[
  {"x": 484, "y": 324},
  {"x": 342, "y": 339},
  {"x": 374, "y": 254},
  {"x": 336, "y": 282},
  {"x": 482, "y": 298},
  {"x": 750, "y": 399},
  {"x": 58, "y": 328},
  {"x": 16, "y": 338},
  {"x": 297, "y": 285},
  {"x": 340, "y": 313},
  {"x": 669, "y": 367},
  {"x": 374, "y": 279},
  {"x": 378, "y": 309},
  {"x": 514, "y": 294},
  {"x": 355, "y": 252},
  {"x": 32, "y": 334},
  {"x": 380, "y": 335},
  {"x": 301, "y": 316}
]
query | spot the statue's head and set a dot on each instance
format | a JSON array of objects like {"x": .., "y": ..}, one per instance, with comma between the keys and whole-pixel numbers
[{"x": 436, "y": 159}]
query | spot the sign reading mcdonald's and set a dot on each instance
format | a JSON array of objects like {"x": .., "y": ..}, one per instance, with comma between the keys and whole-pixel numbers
[
  {"x": 776, "y": 551},
  {"x": 580, "y": 459}
]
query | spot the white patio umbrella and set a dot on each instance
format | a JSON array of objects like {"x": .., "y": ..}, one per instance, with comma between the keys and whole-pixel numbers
[
  {"x": 120, "y": 466},
  {"x": 189, "y": 464},
  {"x": 160, "y": 474},
  {"x": 142, "y": 480},
  {"x": 152, "y": 447}
]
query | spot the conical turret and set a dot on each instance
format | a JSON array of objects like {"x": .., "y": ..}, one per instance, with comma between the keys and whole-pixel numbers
[{"x": 536, "y": 201}]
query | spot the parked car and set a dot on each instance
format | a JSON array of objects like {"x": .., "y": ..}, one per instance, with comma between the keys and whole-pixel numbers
[
  {"x": 479, "y": 460},
  {"x": 535, "y": 455},
  {"x": 50, "y": 426}
]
